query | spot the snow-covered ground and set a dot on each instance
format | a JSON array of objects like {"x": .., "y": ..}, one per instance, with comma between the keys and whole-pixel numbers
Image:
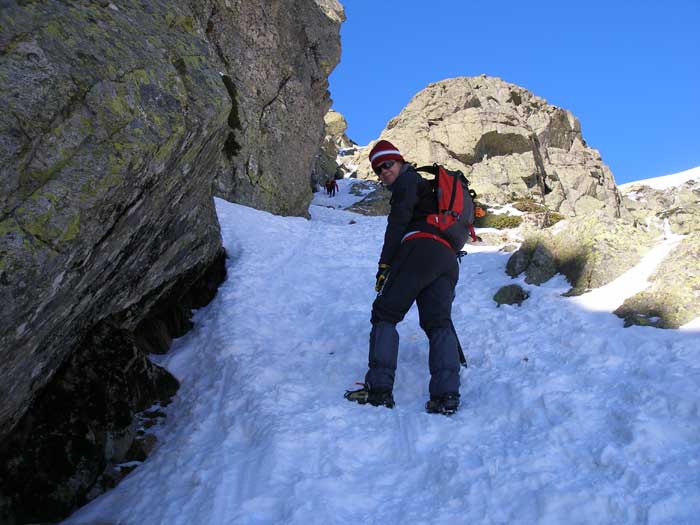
[
  {"x": 666, "y": 181},
  {"x": 566, "y": 416}
]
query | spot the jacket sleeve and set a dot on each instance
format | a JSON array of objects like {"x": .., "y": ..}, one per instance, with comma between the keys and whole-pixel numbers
[{"x": 403, "y": 200}]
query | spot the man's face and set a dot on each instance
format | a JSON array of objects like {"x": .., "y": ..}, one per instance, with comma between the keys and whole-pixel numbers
[{"x": 389, "y": 171}]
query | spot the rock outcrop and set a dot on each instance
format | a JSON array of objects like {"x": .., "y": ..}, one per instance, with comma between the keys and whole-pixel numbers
[
  {"x": 118, "y": 119},
  {"x": 375, "y": 201},
  {"x": 114, "y": 124},
  {"x": 510, "y": 144},
  {"x": 335, "y": 128},
  {"x": 673, "y": 298},
  {"x": 335, "y": 142},
  {"x": 678, "y": 205},
  {"x": 279, "y": 56},
  {"x": 590, "y": 251}
]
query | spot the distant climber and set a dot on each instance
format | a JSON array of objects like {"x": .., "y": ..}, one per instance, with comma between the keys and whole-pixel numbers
[{"x": 415, "y": 264}]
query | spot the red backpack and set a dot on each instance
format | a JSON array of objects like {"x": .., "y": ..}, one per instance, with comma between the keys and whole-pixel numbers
[{"x": 455, "y": 216}]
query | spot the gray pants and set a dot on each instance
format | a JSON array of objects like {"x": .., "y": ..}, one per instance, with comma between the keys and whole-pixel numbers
[{"x": 425, "y": 271}]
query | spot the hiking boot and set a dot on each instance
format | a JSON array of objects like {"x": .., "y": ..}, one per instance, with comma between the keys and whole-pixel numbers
[
  {"x": 446, "y": 404},
  {"x": 365, "y": 395}
]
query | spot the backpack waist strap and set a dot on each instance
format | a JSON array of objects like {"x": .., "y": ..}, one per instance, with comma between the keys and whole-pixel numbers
[
  {"x": 426, "y": 235},
  {"x": 472, "y": 233}
]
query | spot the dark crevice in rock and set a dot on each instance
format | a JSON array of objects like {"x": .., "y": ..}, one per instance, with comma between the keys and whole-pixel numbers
[
  {"x": 220, "y": 54},
  {"x": 67, "y": 447},
  {"x": 231, "y": 146},
  {"x": 515, "y": 98},
  {"x": 166, "y": 321},
  {"x": 495, "y": 144},
  {"x": 471, "y": 102},
  {"x": 211, "y": 34},
  {"x": 541, "y": 172},
  {"x": 464, "y": 158},
  {"x": 79, "y": 424},
  {"x": 281, "y": 87},
  {"x": 313, "y": 47},
  {"x": 180, "y": 66},
  {"x": 20, "y": 126}
]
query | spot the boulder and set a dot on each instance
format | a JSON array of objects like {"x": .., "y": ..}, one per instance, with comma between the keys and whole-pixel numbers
[
  {"x": 535, "y": 259},
  {"x": 335, "y": 128},
  {"x": 110, "y": 141},
  {"x": 510, "y": 294},
  {"x": 325, "y": 165}
]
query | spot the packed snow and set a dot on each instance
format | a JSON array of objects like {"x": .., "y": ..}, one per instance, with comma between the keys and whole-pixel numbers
[
  {"x": 566, "y": 416},
  {"x": 666, "y": 181}
]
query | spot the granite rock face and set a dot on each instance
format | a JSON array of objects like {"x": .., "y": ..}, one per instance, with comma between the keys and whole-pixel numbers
[
  {"x": 114, "y": 123},
  {"x": 508, "y": 142},
  {"x": 279, "y": 56},
  {"x": 115, "y": 120}
]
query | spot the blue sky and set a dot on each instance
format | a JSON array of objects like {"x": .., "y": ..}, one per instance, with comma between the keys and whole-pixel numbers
[{"x": 629, "y": 71}]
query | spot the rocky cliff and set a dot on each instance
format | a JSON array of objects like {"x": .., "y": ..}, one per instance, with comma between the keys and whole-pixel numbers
[
  {"x": 510, "y": 144},
  {"x": 279, "y": 55},
  {"x": 118, "y": 119}
]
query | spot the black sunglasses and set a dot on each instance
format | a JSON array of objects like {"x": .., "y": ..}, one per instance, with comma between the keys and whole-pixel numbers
[{"x": 387, "y": 164}]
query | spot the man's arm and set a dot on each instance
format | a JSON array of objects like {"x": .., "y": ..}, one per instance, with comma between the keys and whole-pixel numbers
[{"x": 403, "y": 200}]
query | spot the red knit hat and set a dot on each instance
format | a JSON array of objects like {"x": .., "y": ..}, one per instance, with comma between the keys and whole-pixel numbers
[{"x": 383, "y": 151}]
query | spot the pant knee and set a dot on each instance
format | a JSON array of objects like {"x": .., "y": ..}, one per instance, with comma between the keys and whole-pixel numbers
[
  {"x": 428, "y": 325},
  {"x": 382, "y": 314}
]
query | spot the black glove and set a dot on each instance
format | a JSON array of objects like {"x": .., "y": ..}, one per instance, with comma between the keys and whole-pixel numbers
[{"x": 382, "y": 274}]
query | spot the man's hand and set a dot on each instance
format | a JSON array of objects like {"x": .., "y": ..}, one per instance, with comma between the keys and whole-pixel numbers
[{"x": 382, "y": 274}]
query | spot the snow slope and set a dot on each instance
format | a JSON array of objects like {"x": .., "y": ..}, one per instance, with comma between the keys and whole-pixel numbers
[
  {"x": 666, "y": 181},
  {"x": 566, "y": 417}
]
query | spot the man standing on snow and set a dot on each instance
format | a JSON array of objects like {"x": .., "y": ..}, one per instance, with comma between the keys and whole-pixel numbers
[{"x": 416, "y": 264}]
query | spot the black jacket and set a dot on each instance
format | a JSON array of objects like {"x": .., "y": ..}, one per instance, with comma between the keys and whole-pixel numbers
[{"x": 412, "y": 200}]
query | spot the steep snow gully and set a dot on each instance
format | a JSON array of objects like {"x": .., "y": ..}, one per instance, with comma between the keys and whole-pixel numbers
[{"x": 566, "y": 417}]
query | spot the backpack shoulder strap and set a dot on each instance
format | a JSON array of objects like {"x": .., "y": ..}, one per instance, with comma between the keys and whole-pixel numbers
[{"x": 433, "y": 170}]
